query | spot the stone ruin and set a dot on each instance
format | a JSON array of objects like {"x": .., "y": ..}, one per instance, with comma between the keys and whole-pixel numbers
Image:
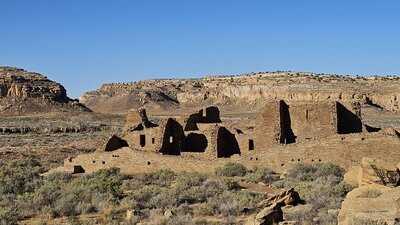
[
  {"x": 204, "y": 132},
  {"x": 202, "y": 137}
]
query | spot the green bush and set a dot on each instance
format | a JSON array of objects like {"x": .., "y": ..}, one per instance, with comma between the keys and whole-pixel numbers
[
  {"x": 230, "y": 184},
  {"x": 366, "y": 221},
  {"x": 370, "y": 193},
  {"x": 306, "y": 172},
  {"x": 231, "y": 169},
  {"x": 161, "y": 178},
  {"x": 185, "y": 180},
  {"x": 20, "y": 177},
  {"x": 264, "y": 175},
  {"x": 8, "y": 216}
]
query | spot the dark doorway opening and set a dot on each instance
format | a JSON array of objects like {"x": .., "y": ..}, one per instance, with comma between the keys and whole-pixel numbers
[
  {"x": 142, "y": 140},
  {"x": 251, "y": 144},
  {"x": 79, "y": 169},
  {"x": 227, "y": 144},
  {"x": 173, "y": 139},
  {"x": 287, "y": 135},
  {"x": 196, "y": 142}
]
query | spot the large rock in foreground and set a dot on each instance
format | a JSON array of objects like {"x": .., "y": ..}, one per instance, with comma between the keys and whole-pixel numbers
[
  {"x": 374, "y": 171},
  {"x": 371, "y": 203}
]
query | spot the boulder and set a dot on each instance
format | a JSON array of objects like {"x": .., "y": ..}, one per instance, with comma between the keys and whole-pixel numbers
[
  {"x": 287, "y": 197},
  {"x": 268, "y": 216},
  {"x": 379, "y": 172},
  {"x": 168, "y": 214},
  {"x": 385, "y": 207}
]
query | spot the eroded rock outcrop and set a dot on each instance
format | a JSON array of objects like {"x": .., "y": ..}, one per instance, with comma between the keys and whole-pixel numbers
[
  {"x": 16, "y": 82},
  {"x": 378, "y": 196},
  {"x": 251, "y": 90},
  {"x": 374, "y": 171},
  {"x": 23, "y": 92},
  {"x": 287, "y": 197}
]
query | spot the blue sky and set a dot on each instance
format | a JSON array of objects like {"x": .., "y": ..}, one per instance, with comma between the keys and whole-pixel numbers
[{"x": 85, "y": 43}]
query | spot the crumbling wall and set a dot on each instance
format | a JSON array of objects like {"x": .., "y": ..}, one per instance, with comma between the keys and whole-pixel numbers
[
  {"x": 208, "y": 115},
  {"x": 136, "y": 119},
  {"x": 267, "y": 132},
  {"x": 173, "y": 142}
]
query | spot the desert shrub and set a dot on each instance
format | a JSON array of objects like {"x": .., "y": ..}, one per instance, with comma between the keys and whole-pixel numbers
[
  {"x": 370, "y": 193},
  {"x": 248, "y": 199},
  {"x": 211, "y": 188},
  {"x": 225, "y": 204},
  {"x": 90, "y": 194},
  {"x": 19, "y": 177},
  {"x": 231, "y": 169},
  {"x": 131, "y": 184},
  {"x": 59, "y": 177},
  {"x": 264, "y": 175},
  {"x": 230, "y": 184},
  {"x": 203, "y": 210},
  {"x": 8, "y": 216},
  {"x": 306, "y": 172},
  {"x": 366, "y": 221},
  {"x": 186, "y": 180},
  {"x": 321, "y": 186},
  {"x": 302, "y": 214},
  {"x": 141, "y": 198},
  {"x": 161, "y": 178}
]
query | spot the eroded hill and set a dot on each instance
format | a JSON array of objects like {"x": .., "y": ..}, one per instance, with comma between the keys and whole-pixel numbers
[
  {"x": 244, "y": 93},
  {"x": 24, "y": 93}
]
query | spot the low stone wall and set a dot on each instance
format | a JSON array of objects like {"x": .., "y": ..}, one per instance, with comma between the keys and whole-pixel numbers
[{"x": 344, "y": 150}]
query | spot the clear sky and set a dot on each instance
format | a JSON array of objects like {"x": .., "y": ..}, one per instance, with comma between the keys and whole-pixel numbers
[{"x": 85, "y": 43}]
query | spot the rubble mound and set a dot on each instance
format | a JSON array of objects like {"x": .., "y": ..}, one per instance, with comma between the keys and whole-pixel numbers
[{"x": 23, "y": 92}]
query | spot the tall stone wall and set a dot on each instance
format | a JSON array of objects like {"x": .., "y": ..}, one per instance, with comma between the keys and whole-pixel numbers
[
  {"x": 313, "y": 120},
  {"x": 267, "y": 127}
]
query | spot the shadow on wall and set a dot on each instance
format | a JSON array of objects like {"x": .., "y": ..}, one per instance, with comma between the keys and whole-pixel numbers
[
  {"x": 115, "y": 143},
  {"x": 287, "y": 135},
  {"x": 347, "y": 121},
  {"x": 227, "y": 144},
  {"x": 173, "y": 139},
  {"x": 196, "y": 142}
]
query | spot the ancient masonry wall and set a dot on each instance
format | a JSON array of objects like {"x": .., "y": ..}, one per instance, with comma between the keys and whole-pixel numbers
[
  {"x": 267, "y": 127},
  {"x": 312, "y": 121},
  {"x": 344, "y": 150}
]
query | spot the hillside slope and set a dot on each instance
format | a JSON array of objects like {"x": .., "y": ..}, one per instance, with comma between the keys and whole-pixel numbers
[
  {"x": 24, "y": 93},
  {"x": 244, "y": 93}
]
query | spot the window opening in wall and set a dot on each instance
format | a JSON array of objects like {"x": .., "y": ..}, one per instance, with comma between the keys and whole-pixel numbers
[
  {"x": 142, "y": 140},
  {"x": 171, "y": 139},
  {"x": 153, "y": 140},
  {"x": 70, "y": 159},
  {"x": 307, "y": 114},
  {"x": 148, "y": 163},
  {"x": 251, "y": 144},
  {"x": 103, "y": 162},
  {"x": 94, "y": 161}
]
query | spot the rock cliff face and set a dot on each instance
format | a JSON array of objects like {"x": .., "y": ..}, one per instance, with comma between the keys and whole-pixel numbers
[
  {"x": 245, "y": 92},
  {"x": 23, "y": 92},
  {"x": 19, "y": 83}
]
